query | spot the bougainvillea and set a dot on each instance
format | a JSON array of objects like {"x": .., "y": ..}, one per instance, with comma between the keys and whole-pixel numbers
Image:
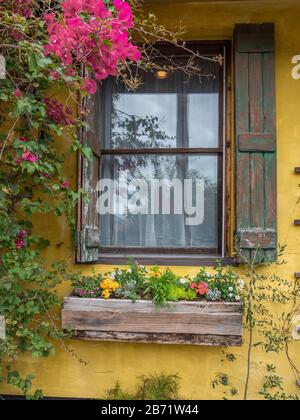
[
  {"x": 57, "y": 112},
  {"x": 21, "y": 239},
  {"x": 23, "y": 7},
  {"x": 92, "y": 34}
]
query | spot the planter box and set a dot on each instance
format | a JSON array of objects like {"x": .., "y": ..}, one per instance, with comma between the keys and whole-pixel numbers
[{"x": 197, "y": 323}]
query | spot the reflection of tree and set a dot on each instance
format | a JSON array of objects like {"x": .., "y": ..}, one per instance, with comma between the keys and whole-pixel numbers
[
  {"x": 134, "y": 132},
  {"x": 137, "y": 132}
]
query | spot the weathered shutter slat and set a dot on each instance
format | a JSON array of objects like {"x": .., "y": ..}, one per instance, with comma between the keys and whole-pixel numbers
[
  {"x": 256, "y": 201},
  {"x": 89, "y": 175}
]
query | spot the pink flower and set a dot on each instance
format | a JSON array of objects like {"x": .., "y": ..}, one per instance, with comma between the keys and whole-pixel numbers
[
  {"x": 49, "y": 18},
  {"x": 70, "y": 72},
  {"x": 18, "y": 160},
  {"x": 72, "y": 7},
  {"x": 57, "y": 113},
  {"x": 20, "y": 243},
  {"x": 21, "y": 239},
  {"x": 90, "y": 86},
  {"x": 124, "y": 12},
  {"x": 54, "y": 75},
  {"x": 134, "y": 53},
  {"x": 18, "y": 36},
  {"x": 18, "y": 93},
  {"x": 23, "y": 234},
  {"x": 29, "y": 157},
  {"x": 44, "y": 175},
  {"x": 23, "y": 7},
  {"x": 65, "y": 185},
  {"x": 89, "y": 33}
]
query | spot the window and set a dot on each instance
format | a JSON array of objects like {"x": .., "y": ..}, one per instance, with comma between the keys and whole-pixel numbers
[
  {"x": 163, "y": 146},
  {"x": 172, "y": 130}
]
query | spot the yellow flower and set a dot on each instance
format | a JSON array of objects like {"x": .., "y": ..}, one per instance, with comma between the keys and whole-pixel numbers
[
  {"x": 108, "y": 287},
  {"x": 106, "y": 294}
]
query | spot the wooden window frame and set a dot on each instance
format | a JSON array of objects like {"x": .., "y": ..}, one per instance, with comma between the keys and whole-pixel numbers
[{"x": 193, "y": 256}]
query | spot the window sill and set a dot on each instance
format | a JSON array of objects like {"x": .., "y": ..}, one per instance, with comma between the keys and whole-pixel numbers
[
  {"x": 194, "y": 323},
  {"x": 188, "y": 260}
]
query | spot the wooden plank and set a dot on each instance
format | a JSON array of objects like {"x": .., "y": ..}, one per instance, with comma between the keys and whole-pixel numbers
[
  {"x": 160, "y": 322},
  {"x": 163, "y": 151},
  {"x": 253, "y": 239},
  {"x": 204, "y": 318},
  {"x": 186, "y": 339},
  {"x": 257, "y": 191},
  {"x": 89, "y": 175},
  {"x": 242, "y": 159},
  {"x": 92, "y": 238},
  {"x": 270, "y": 169},
  {"x": 257, "y": 142},
  {"x": 73, "y": 303},
  {"x": 256, "y": 43},
  {"x": 257, "y": 212}
]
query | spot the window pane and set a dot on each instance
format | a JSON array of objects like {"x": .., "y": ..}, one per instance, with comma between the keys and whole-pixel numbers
[
  {"x": 159, "y": 201},
  {"x": 203, "y": 115},
  {"x": 144, "y": 120},
  {"x": 177, "y": 112}
]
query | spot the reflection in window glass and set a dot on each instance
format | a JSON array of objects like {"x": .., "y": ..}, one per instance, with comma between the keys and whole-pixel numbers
[
  {"x": 169, "y": 113},
  {"x": 203, "y": 120},
  {"x": 135, "y": 225},
  {"x": 144, "y": 120}
]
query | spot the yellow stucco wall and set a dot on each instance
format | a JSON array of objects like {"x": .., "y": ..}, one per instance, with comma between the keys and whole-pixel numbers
[{"x": 62, "y": 375}]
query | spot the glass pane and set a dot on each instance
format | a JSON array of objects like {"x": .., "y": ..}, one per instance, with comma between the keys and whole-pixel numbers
[
  {"x": 203, "y": 120},
  {"x": 144, "y": 120},
  {"x": 159, "y": 201},
  {"x": 174, "y": 112}
]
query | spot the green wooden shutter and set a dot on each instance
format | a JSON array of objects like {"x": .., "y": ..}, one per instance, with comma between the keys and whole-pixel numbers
[
  {"x": 256, "y": 198},
  {"x": 88, "y": 241}
]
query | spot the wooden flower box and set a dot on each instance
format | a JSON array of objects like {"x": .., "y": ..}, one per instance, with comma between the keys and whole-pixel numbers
[{"x": 195, "y": 323}]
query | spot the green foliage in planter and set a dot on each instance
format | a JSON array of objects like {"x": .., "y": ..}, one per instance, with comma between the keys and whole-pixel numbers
[
  {"x": 87, "y": 287},
  {"x": 227, "y": 282},
  {"x": 162, "y": 287},
  {"x": 131, "y": 280},
  {"x": 177, "y": 293},
  {"x": 154, "y": 388}
]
